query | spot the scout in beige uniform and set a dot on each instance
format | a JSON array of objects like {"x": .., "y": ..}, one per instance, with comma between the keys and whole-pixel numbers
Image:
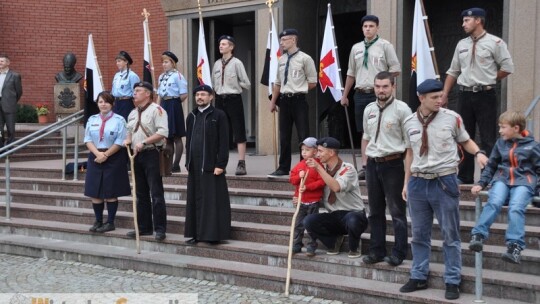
[
  {"x": 367, "y": 59},
  {"x": 229, "y": 78},
  {"x": 479, "y": 61},
  {"x": 147, "y": 128},
  {"x": 431, "y": 184},
  {"x": 383, "y": 145},
  {"x": 296, "y": 75}
]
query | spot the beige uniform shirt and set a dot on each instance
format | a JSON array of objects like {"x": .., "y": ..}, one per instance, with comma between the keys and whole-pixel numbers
[
  {"x": 444, "y": 132},
  {"x": 301, "y": 72},
  {"x": 392, "y": 135},
  {"x": 491, "y": 55},
  {"x": 153, "y": 119},
  {"x": 348, "y": 197},
  {"x": 381, "y": 57},
  {"x": 234, "y": 79}
]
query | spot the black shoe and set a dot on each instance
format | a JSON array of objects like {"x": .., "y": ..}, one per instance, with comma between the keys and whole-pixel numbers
[
  {"x": 310, "y": 252},
  {"x": 192, "y": 241},
  {"x": 160, "y": 236},
  {"x": 413, "y": 285},
  {"x": 241, "y": 168},
  {"x": 513, "y": 254},
  {"x": 131, "y": 234},
  {"x": 296, "y": 249},
  {"x": 477, "y": 243},
  {"x": 337, "y": 246},
  {"x": 362, "y": 174},
  {"x": 175, "y": 169},
  {"x": 372, "y": 259},
  {"x": 95, "y": 227},
  {"x": 106, "y": 227},
  {"x": 393, "y": 260},
  {"x": 278, "y": 173},
  {"x": 452, "y": 292}
]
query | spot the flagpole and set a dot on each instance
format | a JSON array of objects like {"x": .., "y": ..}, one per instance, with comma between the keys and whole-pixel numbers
[
  {"x": 269, "y": 3},
  {"x": 145, "y": 14},
  {"x": 430, "y": 41},
  {"x": 97, "y": 65}
]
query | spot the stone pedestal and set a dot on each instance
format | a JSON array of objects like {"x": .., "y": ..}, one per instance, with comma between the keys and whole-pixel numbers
[{"x": 67, "y": 98}]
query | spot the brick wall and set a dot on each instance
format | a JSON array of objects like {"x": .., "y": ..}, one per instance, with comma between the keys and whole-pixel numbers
[{"x": 37, "y": 34}]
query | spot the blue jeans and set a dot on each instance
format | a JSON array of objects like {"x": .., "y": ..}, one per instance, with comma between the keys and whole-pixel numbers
[
  {"x": 384, "y": 181},
  {"x": 425, "y": 198},
  {"x": 520, "y": 197}
]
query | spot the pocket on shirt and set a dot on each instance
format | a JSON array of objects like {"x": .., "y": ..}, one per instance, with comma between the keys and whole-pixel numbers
[{"x": 443, "y": 141}]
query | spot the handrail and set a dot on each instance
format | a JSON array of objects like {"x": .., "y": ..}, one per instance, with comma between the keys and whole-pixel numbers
[
  {"x": 17, "y": 145},
  {"x": 529, "y": 111}
]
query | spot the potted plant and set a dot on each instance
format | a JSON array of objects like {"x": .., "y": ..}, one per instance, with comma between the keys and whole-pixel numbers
[{"x": 42, "y": 110}]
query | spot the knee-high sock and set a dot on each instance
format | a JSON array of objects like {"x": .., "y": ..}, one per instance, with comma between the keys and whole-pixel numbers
[
  {"x": 111, "y": 211},
  {"x": 98, "y": 211}
]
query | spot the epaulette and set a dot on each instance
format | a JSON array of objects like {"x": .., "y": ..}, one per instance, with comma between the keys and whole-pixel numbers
[
  {"x": 409, "y": 117},
  {"x": 344, "y": 171}
]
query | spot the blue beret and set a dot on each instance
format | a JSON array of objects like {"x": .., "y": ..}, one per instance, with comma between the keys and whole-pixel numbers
[
  {"x": 370, "y": 18},
  {"x": 230, "y": 38},
  {"x": 124, "y": 55},
  {"x": 203, "y": 87},
  {"x": 170, "y": 55},
  {"x": 329, "y": 142},
  {"x": 288, "y": 32},
  {"x": 475, "y": 11},
  {"x": 429, "y": 86},
  {"x": 144, "y": 84}
]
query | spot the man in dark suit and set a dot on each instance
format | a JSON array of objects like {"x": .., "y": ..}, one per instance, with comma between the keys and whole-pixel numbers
[{"x": 10, "y": 93}]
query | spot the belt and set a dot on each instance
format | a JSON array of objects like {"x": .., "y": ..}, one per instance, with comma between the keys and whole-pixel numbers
[
  {"x": 150, "y": 148},
  {"x": 170, "y": 97},
  {"x": 291, "y": 95},
  {"x": 476, "y": 88},
  {"x": 123, "y": 98},
  {"x": 433, "y": 175},
  {"x": 365, "y": 90},
  {"x": 225, "y": 96},
  {"x": 102, "y": 150},
  {"x": 387, "y": 157}
]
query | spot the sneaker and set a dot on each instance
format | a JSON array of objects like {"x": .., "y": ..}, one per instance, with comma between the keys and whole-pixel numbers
[
  {"x": 372, "y": 259},
  {"x": 337, "y": 246},
  {"x": 393, "y": 260},
  {"x": 310, "y": 252},
  {"x": 278, "y": 173},
  {"x": 296, "y": 249},
  {"x": 414, "y": 285},
  {"x": 362, "y": 174},
  {"x": 452, "y": 292},
  {"x": 176, "y": 169},
  {"x": 477, "y": 243},
  {"x": 106, "y": 227},
  {"x": 513, "y": 254},
  {"x": 241, "y": 168},
  {"x": 353, "y": 254},
  {"x": 95, "y": 226}
]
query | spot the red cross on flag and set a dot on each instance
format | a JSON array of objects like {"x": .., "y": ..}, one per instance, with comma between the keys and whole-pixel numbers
[{"x": 329, "y": 71}]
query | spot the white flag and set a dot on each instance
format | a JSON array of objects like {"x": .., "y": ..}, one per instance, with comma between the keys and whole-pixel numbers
[
  {"x": 147, "y": 61},
  {"x": 92, "y": 77},
  {"x": 421, "y": 61},
  {"x": 329, "y": 72},
  {"x": 203, "y": 66}
]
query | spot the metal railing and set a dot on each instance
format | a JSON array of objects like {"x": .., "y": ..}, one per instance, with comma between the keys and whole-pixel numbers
[
  {"x": 21, "y": 143},
  {"x": 529, "y": 112}
]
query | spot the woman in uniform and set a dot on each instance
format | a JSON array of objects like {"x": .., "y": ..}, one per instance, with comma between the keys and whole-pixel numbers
[{"x": 122, "y": 86}]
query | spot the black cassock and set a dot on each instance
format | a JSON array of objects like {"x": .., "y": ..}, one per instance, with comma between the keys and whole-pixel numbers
[{"x": 208, "y": 210}]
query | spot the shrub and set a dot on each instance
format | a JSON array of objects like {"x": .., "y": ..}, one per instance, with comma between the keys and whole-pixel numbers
[{"x": 26, "y": 114}]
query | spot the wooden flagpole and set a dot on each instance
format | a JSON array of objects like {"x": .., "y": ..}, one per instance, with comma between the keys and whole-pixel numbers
[
  {"x": 430, "y": 40},
  {"x": 145, "y": 14}
]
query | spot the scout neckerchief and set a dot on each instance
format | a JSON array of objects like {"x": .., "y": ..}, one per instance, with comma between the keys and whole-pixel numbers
[
  {"x": 103, "y": 121},
  {"x": 475, "y": 40},
  {"x": 332, "y": 195},
  {"x": 287, "y": 65},
  {"x": 381, "y": 109},
  {"x": 164, "y": 79},
  {"x": 224, "y": 63},
  {"x": 425, "y": 123},
  {"x": 140, "y": 111},
  {"x": 368, "y": 44}
]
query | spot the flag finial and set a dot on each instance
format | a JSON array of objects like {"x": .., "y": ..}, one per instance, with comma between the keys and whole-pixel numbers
[
  {"x": 145, "y": 13},
  {"x": 269, "y": 3}
]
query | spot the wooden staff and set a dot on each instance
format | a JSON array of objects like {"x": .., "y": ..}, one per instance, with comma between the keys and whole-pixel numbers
[
  {"x": 274, "y": 140},
  {"x": 145, "y": 14},
  {"x": 430, "y": 40},
  {"x": 134, "y": 195},
  {"x": 291, "y": 238}
]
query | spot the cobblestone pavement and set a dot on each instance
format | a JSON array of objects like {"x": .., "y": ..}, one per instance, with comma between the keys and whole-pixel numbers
[{"x": 30, "y": 275}]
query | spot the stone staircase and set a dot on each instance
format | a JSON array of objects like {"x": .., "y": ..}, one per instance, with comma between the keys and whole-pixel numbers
[{"x": 50, "y": 218}]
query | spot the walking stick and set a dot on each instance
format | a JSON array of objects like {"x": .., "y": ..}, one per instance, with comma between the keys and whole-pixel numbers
[
  {"x": 291, "y": 238},
  {"x": 274, "y": 140},
  {"x": 134, "y": 195},
  {"x": 350, "y": 137}
]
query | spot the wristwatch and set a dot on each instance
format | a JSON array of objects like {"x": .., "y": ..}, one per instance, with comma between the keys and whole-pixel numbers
[
  {"x": 479, "y": 152},
  {"x": 144, "y": 142}
]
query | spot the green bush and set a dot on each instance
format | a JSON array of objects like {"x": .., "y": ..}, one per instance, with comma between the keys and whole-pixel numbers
[{"x": 26, "y": 114}]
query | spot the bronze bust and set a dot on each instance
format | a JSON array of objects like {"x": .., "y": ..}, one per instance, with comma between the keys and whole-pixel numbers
[{"x": 69, "y": 75}]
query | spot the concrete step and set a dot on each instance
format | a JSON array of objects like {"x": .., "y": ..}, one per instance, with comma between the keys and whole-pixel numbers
[{"x": 41, "y": 237}]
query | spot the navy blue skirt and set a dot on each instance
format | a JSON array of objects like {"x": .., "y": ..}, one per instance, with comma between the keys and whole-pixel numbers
[
  {"x": 109, "y": 179},
  {"x": 123, "y": 107},
  {"x": 175, "y": 114}
]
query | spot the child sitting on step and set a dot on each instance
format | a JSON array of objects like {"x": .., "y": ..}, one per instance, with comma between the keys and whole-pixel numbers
[
  {"x": 311, "y": 194},
  {"x": 512, "y": 171}
]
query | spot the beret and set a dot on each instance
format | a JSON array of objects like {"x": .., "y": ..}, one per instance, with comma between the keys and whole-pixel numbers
[
  {"x": 309, "y": 142},
  {"x": 329, "y": 142},
  {"x": 144, "y": 84},
  {"x": 429, "y": 86},
  {"x": 170, "y": 55},
  {"x": 288, "y": 32},
  {"x": 203, "y": 87},
  {"x": 124, "y": 55},
  {"x": 475, "y": 11},
  {"x": 370, "y": 18},
  {"x": 230, "y": 38}
]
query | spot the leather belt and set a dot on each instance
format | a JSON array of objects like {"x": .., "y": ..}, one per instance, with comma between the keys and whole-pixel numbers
[
  {"x": 291, "y": 95},
  {"x": 476, "y": 88},
  {"x": 170, "y": 97},
  {"x": 150, "y": 148},
  {"x": 102, "y": 150},
  {"x": 433, "y": 175},
  {"x": 225, "y": 96},
  {"x": 123, "y": 98},
  {"x": 365, "y": 90},
  {"x": 387, "y": 157}
]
